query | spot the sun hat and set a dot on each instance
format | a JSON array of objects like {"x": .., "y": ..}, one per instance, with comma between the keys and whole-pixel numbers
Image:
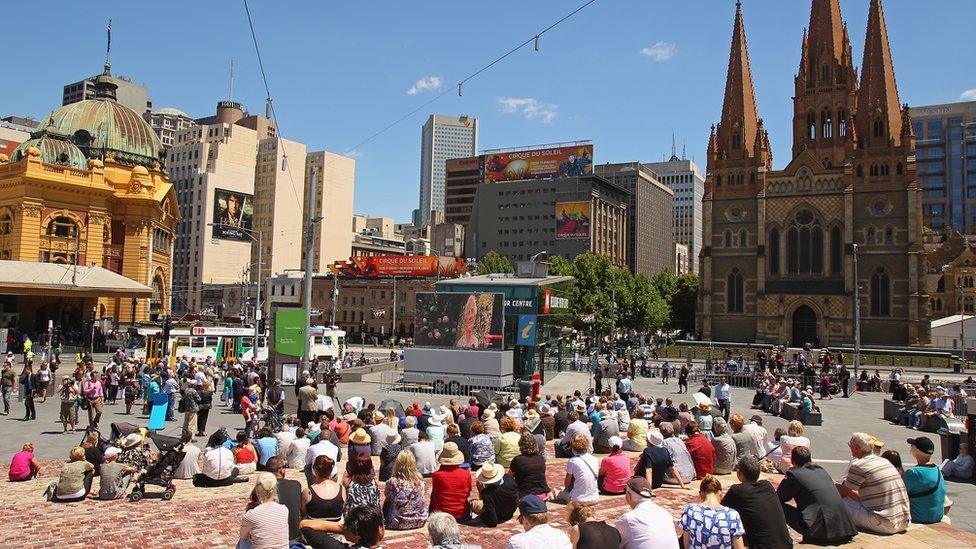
[
  {"x": 393, "y": 437},
  {"x": 378, "y": 415},
  {"x": 489, "y": 414},
  {"x": 450, "y": 455},
  {"x": 112, "y": 451},
  {"x": 132, "y": 440},
  {"x": 349, "y": 417},
  {"x": 490, "y": 473},
  {"x": 512, "y": 413},
  {"x": 545, "y": 410},
  {"x": 700, "y": 399},
  {"x": 655, "y": 439},
  {"x": 757, "y": 419},
  {"x": 434, "y": 420},
  {"x": 360, "y": 436}
]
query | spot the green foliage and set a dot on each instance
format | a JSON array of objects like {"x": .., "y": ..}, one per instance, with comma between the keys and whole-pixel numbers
[
  {"x": 494, "y": 263},
  {"x": 680, "y": 292},
  {"x": 558, "y": 266}
]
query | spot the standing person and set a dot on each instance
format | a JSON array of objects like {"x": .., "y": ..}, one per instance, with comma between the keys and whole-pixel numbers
[
  {"x": 758, "y": 506},
  {"x": 68, "y": 394},
  {"x": 723, "y": 396},
  {"x": 191, "y": 405},
  {"x": 683, "y": 379},
  {"x": 709, "y": 524},
  {"x": 925, "y": 483},
  {"x": 647, "y": 525},
  {"x": 598, "y": 379},
  {"x": 205, "y": 391},
  {"x": 43, "y": 381},
  {"x": 307, "y": 397},
  {"x": 130, "y": 391},
  {"x": 665, "y": 372},
  {"x": 7, "y": 382},
  {"x": 170, "y": 388},
  {"x": 28, "y": 380}
]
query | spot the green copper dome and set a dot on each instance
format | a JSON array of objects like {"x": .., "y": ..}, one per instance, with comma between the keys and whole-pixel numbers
[
  {"x": 53, "y": 151},
  {"x": 102, "y": 125}
]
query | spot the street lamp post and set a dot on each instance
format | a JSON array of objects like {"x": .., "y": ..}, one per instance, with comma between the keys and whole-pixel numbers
[
  {"x": 857, "y": 314},
  {"x": 961, "y": 300},
  {"x": 259, "y": 240}
]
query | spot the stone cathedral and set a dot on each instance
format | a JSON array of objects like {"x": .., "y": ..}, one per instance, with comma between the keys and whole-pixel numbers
[{"x": 778, "y": 261}]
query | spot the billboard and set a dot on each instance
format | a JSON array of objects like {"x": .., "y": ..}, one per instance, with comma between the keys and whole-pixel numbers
[
  {"x": 539, "y": 163},
  {"x": 385, "y": 266},
  {"x": 572, "y": 220},
  {"x": 289, "y": 325},
  {"x": 461, "y": 321},
  {"x": 233, "y": 211}
]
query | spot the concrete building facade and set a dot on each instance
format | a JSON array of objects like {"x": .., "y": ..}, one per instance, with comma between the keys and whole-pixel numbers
[
  {"x": 168, "y": 122},
  {"x": 461, "y": 182},
  {"x": 945, "y": 156},
  {"x": 442, "y": 138},
  {"x": 686, "y": 180},
  {"x": 336, "y": 182},
  {"x": 279, "y": 202},
  {"x": 128, "y": 93},
  {"x": 517, "y": 219},
  {"x": 650, "y": 242}
]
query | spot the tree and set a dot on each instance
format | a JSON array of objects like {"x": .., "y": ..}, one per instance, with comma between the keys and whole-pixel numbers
[
  {"x": 590, "y": 293},
  {"x": 648, "y": 311},
  {"x": 494, "y": 263},
  {"x": 558, "y": 266},
  {"x": 680, "y": 292}
]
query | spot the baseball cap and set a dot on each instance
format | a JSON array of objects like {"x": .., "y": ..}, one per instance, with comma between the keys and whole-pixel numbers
[
  {"x": 924, "y": 444},
  {"x": 640, "y": 486},
  {"x": 615, "y": 442},
  {"x": 757, "y": 419},
  {"x": 533, "y": 505}
]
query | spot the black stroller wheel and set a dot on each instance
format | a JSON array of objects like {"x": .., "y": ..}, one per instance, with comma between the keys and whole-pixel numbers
[
  {"x": 167, "y": 495},
  {"x": 135, "y": 496}
]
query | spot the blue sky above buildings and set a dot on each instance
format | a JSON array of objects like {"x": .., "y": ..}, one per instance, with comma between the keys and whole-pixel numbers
[{"x": 623, "y": 73}]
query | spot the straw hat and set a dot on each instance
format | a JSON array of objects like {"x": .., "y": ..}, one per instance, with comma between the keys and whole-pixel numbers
[
  {"x": 490, "y": 473},
  {"x": 450, "y": 455},
  {"x": 360, "y": 437},
  {"x": 434, "y": 420},
  {"x": 132, "y": 440},
  {"x": 489, "y": 414},
  {"x": 378, "y": 415},
  {"x": 393, "y": 437},
  {"x": 349, "y": 417}
]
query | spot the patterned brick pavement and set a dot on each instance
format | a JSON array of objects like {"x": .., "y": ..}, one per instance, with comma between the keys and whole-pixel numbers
[{"x": 198, "y": 517}]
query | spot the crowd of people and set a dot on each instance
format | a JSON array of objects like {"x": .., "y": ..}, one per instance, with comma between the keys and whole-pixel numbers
[{"x": 365, "y": 464}]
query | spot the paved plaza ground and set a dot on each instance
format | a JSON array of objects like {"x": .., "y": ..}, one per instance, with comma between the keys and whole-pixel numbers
[{"x": 210, "y": 517}]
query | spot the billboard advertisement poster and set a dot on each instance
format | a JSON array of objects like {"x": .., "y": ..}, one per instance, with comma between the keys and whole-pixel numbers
[
  {"x": 289, "y": 327},
  {"x": 527, "y": 328},
  {"x": 576, "y": 160},
  {"x": 233, "y": 214},
  {"x": 461, "y": 320},
  {"x": 380, "y": 266},
  {"x": 572, "y": 220}
]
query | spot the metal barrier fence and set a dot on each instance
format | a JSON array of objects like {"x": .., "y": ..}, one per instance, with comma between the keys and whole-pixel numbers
[
  {"x": 396, "y": 381},
  {"x": 902, "y": 358}
]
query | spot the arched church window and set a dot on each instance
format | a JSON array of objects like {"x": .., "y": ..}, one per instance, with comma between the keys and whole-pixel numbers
[
  {"x": 859, "y": 171},
  {"x": 878, "y": 127},
  {"x": 880, "y": 293},
  {"x": 743, "y": 239},
  {"x": 825, "y": 75},
  {"x": 938, "y": 304},
  {"x": 736, "y": 140},
  {"x": 884, "y": 168},
  {"x": 842, "y": 122},
  {"x": 774, "y": 252},
  {"x": 728, "y": 239},
  {"x": 811, "y": 126},
  {"x": 804, "y": 244},
  {"x": 870, "y": 239},
  {"x": 889, "y": 236},
  {"x": 734, "y": 291},
  {"x": 718, "y": 181},
  {"x": 752, "y": 178},
  {"x": 827, "y": 124},
  {"x": 836, "y": 250},
  {"x": 6, "y": 223},
  {"x": 898, "y": 169}
]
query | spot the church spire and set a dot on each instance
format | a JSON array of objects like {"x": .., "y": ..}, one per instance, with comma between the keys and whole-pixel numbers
[
  {"x": 740, "y": 118},
  {"x": 879, "y": 113},
  {"x": 826, "y": 33}
]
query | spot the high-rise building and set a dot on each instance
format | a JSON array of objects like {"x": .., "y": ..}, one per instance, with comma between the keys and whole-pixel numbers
[
  {"x": 777, "y": 265},
  {"x": 376, "y": 236},
  {"x": 168, "y": 122},
  {"x": 461, "y": 181},
  {"x": 650, "y": 244},
  {"x": 209, "y": 164},
  {"x": 336, "y": 180},
  {"x": 128, "y": 93},
  {"x": 565, "y": 216},
  {"x": 686, "y": 180},
  {"x": 441, "y": 139},
  {"x": 279, "y": 201},
  {"x": 945, "y": 138}
]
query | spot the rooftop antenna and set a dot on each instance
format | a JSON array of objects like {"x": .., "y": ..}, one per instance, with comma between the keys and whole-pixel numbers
[
  {"x": 672, "y": 143},
  {"x": 108, "y": 49},
  {"x": 231, "y": 95},
  {"x": 683, "y": 150}
]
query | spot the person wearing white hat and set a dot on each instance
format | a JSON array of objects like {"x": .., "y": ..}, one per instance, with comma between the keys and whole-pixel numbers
[
  {"x": 656, "y": 465},
  {"x": 115, "y": 477},
  {"x": 435, "y": 431},
  {"x": 614, "y": 469},
  {"x": 497, "y": 495}
]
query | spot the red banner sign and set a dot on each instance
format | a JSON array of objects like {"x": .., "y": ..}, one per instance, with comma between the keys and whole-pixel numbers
[{"x": 385, "y": 266}]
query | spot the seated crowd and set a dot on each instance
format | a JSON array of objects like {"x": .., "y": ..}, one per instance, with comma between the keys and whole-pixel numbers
[{"x": 487, "y": 464}]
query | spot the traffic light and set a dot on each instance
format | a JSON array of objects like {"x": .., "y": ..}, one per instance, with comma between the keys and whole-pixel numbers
[
  {"x": 91, "y": 317},
  {"x": 261, "y": 326},
  {"x": 167, "y": 327}
]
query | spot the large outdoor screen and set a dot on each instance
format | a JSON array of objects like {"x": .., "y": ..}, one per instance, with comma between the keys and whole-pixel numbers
[
  {"x": 539, "y": 163},
  {"x": 572, "y": 220},
  {"x": 233, "y": 214},
  {"x": 462, "y": 320}
]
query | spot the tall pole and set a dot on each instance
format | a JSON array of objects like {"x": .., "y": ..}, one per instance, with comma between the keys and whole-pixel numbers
[
  {"x": 857, "y": 315},
  {"x": 393, "y": 329},
  {"x": 335, "y": 298},
  {"x": 309, "y": 246},
  {"x": 962, "y": 324},
  {"x": 257, "y": 291}
]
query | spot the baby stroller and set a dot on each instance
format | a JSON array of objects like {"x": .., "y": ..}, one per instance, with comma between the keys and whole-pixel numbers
[
  {"x": 270, "y": 418},
  {"x": 161, "y": 473},
  {"x": 119, "y": 431}
]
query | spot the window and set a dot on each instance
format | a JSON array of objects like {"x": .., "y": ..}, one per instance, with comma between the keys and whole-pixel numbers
[
  {"x": 967, "y": 304},
  {"x": 836, "y": 250},
  {"x": 734, "y": 291},
  {"x": 774, "y": 252},
  {"x": 880, "y": 293},
  {"x": 859, "y": 171},
  {"x": 827, "y": 124},
  {"x": 811, "y": 126},
  {"x": 743, "y": 239},
  {"x": 870, "y": 240},
  {"x": 6, "y": 223},
  {"x": 898, "y": 169},
  {"x": 842, "y": 122},
  {"x": 736, "y": 140},
  {"x": 938, "y": 304},
  {"x": 804, "y": 244},
  {"x": 62, "y": 226},
  {"x": 878, "y": 127},
  {"x": 889, "y": 236},
  {"x": 728, "y": 239}
]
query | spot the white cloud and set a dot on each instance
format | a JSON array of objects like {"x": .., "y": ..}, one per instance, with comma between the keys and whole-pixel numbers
[
  {"x": 968, "y": 95},
  {"x": 660, "y": 51},
  {"x": 530, "y": 108},
  {"x": 429, "y": 83}
]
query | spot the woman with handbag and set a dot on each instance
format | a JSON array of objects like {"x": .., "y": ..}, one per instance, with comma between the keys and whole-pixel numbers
[{"x": 95, "y": 397}]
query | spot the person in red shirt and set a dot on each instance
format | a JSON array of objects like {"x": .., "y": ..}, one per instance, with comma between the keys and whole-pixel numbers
[
  {"x": 701, "y": 450},
  {"x": 342, "y": 429},
  {"x": 451, "y": 484}
]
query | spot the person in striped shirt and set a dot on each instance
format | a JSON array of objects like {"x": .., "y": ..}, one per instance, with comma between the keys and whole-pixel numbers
[{"x": 873, "y": 491}]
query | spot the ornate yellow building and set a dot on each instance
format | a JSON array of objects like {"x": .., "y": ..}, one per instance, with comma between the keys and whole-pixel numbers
[{"x": 88, "y": 188}]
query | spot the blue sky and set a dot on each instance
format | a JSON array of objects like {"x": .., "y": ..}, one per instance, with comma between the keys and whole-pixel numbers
[{"x": 623, "y": 73}]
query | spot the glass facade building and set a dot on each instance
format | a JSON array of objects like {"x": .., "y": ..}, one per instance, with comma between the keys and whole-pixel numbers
[{"x": 946, "y": 162}]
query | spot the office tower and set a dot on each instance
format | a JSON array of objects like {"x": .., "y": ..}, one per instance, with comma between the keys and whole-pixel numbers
[
  {"x": 441, "y": 139},
  {"x": 945, "y": 159},
  {"x": 686, "y": 180},
  {"x": 128, "y": 93}
]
